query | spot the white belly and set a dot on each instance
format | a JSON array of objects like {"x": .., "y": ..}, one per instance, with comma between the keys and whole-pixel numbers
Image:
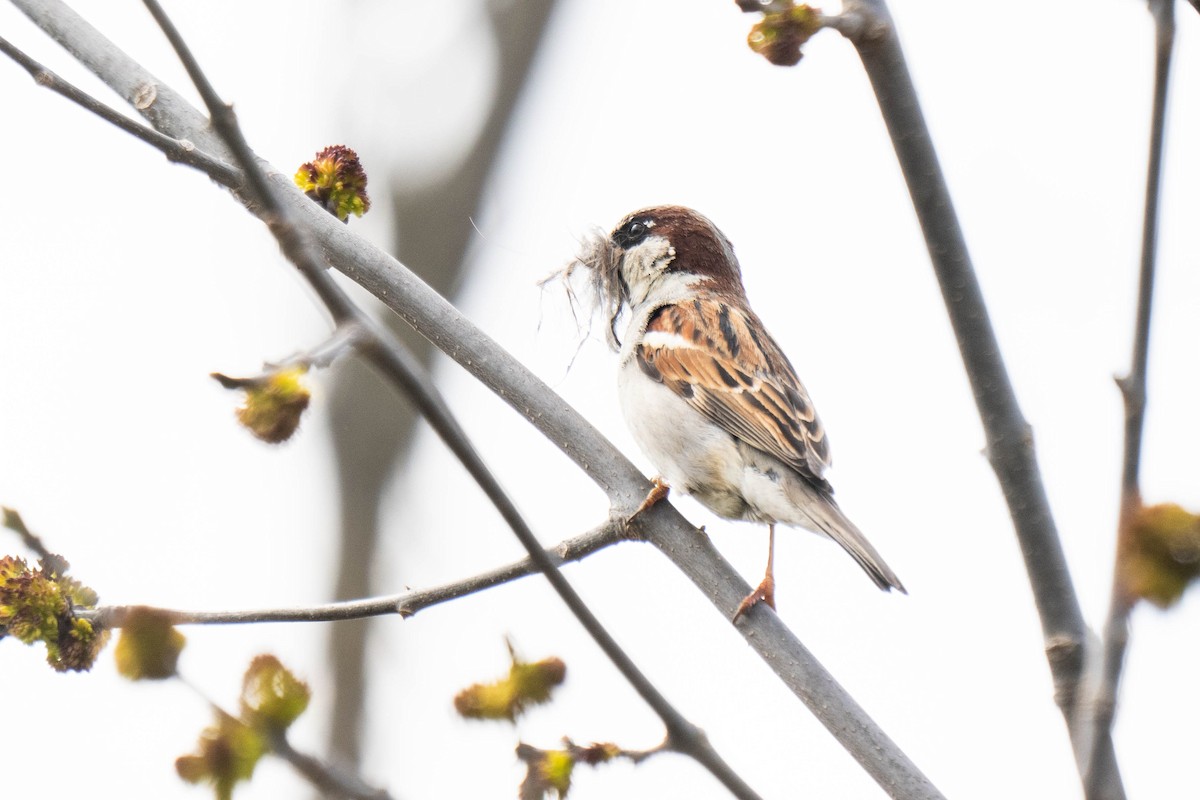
[{"x": 691, "y": 453}]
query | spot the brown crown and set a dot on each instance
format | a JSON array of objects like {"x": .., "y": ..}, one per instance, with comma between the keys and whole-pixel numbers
[{"x": 700, "y": 247}]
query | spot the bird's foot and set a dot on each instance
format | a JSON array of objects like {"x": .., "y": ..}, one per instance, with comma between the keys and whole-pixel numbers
[
  {"x": 764, "y": 593},
  {"x": 653, "y": 498}
]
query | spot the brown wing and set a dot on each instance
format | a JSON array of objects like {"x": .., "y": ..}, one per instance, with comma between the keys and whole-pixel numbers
[{"x": 723, "y": 363}]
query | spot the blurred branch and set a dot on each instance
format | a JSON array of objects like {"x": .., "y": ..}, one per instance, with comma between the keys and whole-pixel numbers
[
  {"x": 12, "y": 520},
  {"x": 1099, "y": 707},
  {"x": 339, "y": 343},
  {"x": 396, "y": 363},
  {"x": 329, "y": 780},
  {"x": 406, "y": 604},
  {"x": 1133, "y": 385},
  {"x": 442, "y": 324},
  {"x": 1010, "y": 448},
  {"x": 220, "y": 764},
  {"x": 431, "y": 227},
  {"x": 182, "y": 152}
]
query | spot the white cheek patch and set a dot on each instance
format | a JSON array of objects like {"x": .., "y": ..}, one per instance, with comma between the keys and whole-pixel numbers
[{"x": 644, "y": 264}]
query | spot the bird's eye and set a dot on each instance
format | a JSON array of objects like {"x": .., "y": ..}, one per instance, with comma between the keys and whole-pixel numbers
[{"x": 631, "y": 233}]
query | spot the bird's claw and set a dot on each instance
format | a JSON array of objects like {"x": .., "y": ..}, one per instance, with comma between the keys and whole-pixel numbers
[
  {"x": 763, "y": 593},
  {"x": 655, "y": 496}
]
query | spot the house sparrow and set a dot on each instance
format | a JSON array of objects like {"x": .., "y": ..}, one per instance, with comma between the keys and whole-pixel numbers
[{"x": 706, "y": 391}]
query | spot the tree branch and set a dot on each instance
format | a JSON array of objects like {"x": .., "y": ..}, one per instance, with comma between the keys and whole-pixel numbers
[
  {"x": 398, "y": 364},
  {"x": 430, "y": 226},
  {"x": 1098, "y": 714},
  {"x": 10, "y": 519},
  {"x": 446, "y": 328},
  {"x": 406, "y": 604},
  {"x": 1133, "y": 385},
  {"x": 330, "y": 780},
  {"x": 1010, "y": 447},
  {"x": 325, "y": 777},
  {"x": 182, "y": 152}
]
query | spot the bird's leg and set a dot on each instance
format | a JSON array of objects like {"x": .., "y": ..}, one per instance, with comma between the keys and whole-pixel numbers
[
  {"x": 765, "y": 593},
  {"x": 653, "y": 498}
]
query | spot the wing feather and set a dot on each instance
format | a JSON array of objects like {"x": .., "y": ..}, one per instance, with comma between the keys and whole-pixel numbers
[{"x": 721, "y": 361}]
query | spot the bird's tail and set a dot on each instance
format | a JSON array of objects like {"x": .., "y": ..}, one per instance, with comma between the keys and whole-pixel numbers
[{"x": 829, "y": 519}]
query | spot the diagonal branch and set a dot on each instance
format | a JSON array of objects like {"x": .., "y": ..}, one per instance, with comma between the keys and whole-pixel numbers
[
  {"x": 406, "y": 604},
  {"x": 329, "y": 779},
  {"x": 442, "y": 324},
  {"x": 1010, "y": 449},
  {"x": 430, "y": 227},
  {"x": 332, "y": 782},
  {"x": 1097, "y": 715},
  {"x": 397, "y": 363},
  {"x": 1133, "y": 385},
  {"x": 10, "y": 519},
  {"x": 176, "y": 150}
]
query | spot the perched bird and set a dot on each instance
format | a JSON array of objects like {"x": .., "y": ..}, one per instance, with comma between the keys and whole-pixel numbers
[{"x": 707, "y": 393}]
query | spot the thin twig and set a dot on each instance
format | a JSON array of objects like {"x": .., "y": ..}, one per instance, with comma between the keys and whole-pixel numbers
[
  {"x": 339, "y": 343},
  {"x": 574, "y": 549},
  {"x": 1099, "y": 773},
  {"x": 293, "y": 239},
  {"x": 436, "y": 319},
  {"x": 406, "y": 604},
  {"x": 1133, "y": 385},
  {"x": 397, "y": 363},
  {"x": 1010, "y": 446},
  {"x": 174, "y": 149}
]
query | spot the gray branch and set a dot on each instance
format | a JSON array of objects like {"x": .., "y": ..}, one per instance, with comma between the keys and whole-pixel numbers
[
  {"x": 330, "y": 780},
  {"x": 401, "y": 368},
  {"x": 1100, "y": 703},
  {"x": 406, "y": 604},
  {"x": 430, "y": 228},
  {"x": 1010, "y": 447},
  {"x": 179, "y": 151},
  {"x": 446, "y": 328}
]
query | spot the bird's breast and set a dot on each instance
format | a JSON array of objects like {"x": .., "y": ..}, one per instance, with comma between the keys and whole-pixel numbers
[{"x": 692, "y": 454}]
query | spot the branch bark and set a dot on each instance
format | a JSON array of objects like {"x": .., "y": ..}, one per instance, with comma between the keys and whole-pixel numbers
[
  {"x": 396, "y": 363},
  {"x": 1010, "y": 447},
  {"x": 431, "y": 228},
  {"x": 175, "y": 150},
  {"x": 1096, "y": 716},
  {"x": 406, "y": 604},
  {"x": 442, "y": 324},
  {"x": 331, "y": 781}
]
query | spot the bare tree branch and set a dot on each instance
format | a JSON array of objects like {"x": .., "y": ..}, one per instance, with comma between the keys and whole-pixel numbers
[
  {"x": 406, "y": 604},
  {"x": 11, "y": 519},
  {"x": 331, "y": 781},
  {"x": 175, "y": 150},
  {"x": 1010, "y": 447},
  {"x": 396, "y": 363},
  {"x": 442, "y": 324},
  {"x": 1098, "y": 713},
  {"x": 1133, "y": 385},
  {"x": 431, "y": 227}
]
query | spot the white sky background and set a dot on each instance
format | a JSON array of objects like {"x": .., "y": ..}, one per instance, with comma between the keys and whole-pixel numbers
[{"x": 124, "y": 281}]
